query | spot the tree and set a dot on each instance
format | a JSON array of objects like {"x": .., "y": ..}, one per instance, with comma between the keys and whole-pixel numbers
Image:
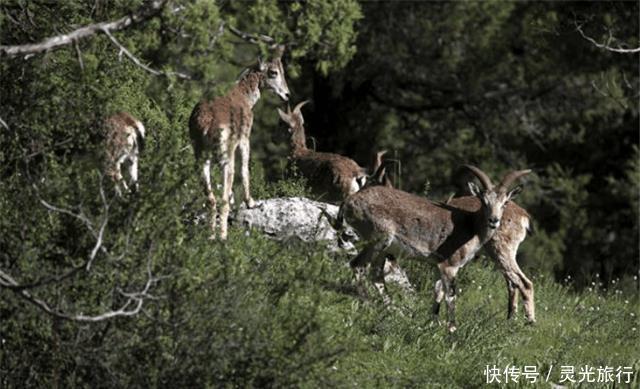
[
  {"x": 504, "y": 85},
  {"x": 501, "y": 85},
  {"x": 136, "y": 268}
]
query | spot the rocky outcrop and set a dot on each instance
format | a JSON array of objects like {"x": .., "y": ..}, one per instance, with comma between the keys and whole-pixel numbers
[
  {"x": 300, "y": 218},
  {"x": 296, "y": 218}
]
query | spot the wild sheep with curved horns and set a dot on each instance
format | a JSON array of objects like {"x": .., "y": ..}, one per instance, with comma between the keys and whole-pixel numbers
[
  {"x": 398, "y": 223},
  {"x": 502, "y": 247}
]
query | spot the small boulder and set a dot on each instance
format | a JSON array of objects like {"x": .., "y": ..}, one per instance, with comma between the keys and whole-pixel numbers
[{"x": 298, "y": 218}]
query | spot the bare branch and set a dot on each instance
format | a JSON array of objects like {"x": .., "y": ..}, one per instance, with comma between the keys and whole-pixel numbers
[
  {"x": 86, "y": 264},
  {"x": 130, "y": 307},
  {"x": 97, "y": 234},
  {"x": 45, "y": 280},
  {"x": 218, "y": 34},
  {"x": 4, "y": 124},
  {"x": 79, "y": 216},
  {"x": 606, "y": 45},
  {"x": 135, "y": 60},
  {"x": 252, "y": 38},
  {"x": 136, "y": 299},
  {"x": 42, "y": 150},
  {"x": 83, "y": 32},
  {"x": 106, "y": 28},
  {"x": 98, "y": 244},
  {"x": 105, "y": 220},
  {"x": 608, "y": 95},
  {"x": 79, "y": 54}
]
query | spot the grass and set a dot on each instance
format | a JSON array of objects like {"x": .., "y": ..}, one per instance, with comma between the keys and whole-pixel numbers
[
  {"x": 252, "y": 312},
  {"x": 403, "y": 347}
]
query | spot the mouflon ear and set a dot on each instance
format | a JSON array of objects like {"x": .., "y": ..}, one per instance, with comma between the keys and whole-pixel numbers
[
  {"x": 514, "y": 192},
  {"x": 262, "y": 66},
  {"x": 278, "y": 51}
]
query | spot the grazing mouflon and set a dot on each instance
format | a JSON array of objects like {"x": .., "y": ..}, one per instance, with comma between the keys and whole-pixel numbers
[{"x": 124, "y": 141}]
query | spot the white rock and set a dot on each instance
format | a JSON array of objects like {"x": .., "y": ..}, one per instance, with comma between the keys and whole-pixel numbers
[
  {"x": 300, "y": 218},
  {"x": 296, "y": 217}
]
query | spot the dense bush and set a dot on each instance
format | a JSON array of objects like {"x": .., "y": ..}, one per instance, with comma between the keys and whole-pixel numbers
[{"x": 502, "y": 85}]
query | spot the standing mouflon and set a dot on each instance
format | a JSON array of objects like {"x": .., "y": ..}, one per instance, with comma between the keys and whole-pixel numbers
[
  {"x": 218, "y": 127},
  {"x": 398, "y": 223}
]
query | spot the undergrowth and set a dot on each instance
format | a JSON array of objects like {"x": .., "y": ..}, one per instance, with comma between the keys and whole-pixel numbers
[{"x": 258, "y": 313}]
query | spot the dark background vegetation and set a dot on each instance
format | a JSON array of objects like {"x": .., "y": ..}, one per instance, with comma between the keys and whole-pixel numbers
[{"x": 502, "y": 85}]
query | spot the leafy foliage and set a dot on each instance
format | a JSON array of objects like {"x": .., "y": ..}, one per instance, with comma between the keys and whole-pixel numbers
[
  {"x": 498, "y": 84},
  {"x": 503, "y": 86}
]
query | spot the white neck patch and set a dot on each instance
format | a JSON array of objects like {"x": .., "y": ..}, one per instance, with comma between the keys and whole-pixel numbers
[{"x": 253, "y": 97}]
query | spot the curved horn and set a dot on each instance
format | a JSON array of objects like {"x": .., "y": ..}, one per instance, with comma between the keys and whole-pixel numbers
[
  {"x": 379, "y": 174},
  {"x": 511, "y": 177},
  {"x": 377, "y": 160},
  {"x": 482, "y": 176},
  {"x": 299, "y": 106}
]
